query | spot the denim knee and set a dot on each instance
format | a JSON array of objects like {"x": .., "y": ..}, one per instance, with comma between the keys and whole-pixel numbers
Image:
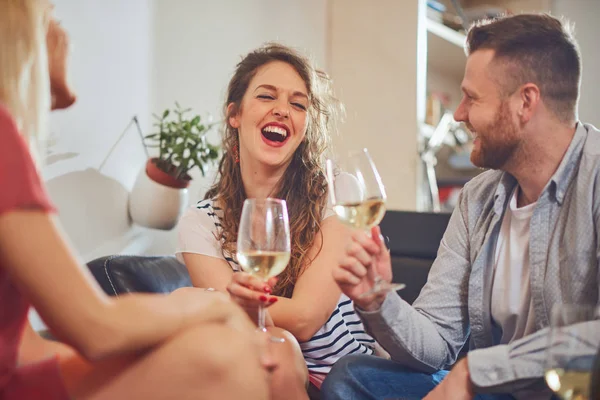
[{"x": 346, "y": 378}]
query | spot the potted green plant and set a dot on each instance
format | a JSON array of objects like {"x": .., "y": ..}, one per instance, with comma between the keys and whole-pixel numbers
[
  {"x": 159, "y": 195},
  {"x": 182, "y": 146}
]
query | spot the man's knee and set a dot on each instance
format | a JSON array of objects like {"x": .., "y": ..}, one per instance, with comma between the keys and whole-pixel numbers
[
  {"x": 346, "y": 373},
  {"x": 353, "y": 364}
]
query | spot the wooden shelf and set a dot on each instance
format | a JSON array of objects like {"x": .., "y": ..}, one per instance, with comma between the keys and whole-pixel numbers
[
  {"x": 445, "y": 52},
  {"x": 448, "y": 34}
]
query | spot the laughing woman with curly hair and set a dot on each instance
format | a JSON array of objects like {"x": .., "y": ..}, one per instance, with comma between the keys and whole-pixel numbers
[{"x": 279, "y": 115}]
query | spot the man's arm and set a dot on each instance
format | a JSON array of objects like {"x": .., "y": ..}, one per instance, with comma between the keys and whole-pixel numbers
[
  {"x": 506, "y": 368},
  {"x": 429, "y": 335}
]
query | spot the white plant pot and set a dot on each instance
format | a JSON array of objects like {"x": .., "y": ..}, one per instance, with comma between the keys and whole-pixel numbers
[{"x": 156, "y": 206}]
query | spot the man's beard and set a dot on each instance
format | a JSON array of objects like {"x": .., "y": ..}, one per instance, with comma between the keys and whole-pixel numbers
[{"x": 497, "y": 142}]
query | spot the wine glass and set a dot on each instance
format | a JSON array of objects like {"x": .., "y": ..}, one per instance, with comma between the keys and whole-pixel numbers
[
  {"x": 358, "y": 197},
  {"x": 263, "y": 242},
  {"x": 573, "y": 344}
]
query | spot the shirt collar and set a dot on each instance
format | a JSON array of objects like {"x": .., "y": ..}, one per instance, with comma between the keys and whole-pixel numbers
[
  {"x": 559, "y": 182},
  {"x": 566, "y": 169}
]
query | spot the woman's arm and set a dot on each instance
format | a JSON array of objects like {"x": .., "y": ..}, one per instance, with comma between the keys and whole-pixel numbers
[
  {"x": 316, "y": 293},
  {"x": 41, "y": 264},
  {"x": 34, "y": 348},
  {"x": 206, "y": 271}
]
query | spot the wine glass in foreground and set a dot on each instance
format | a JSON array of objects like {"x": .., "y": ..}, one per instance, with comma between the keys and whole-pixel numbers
[
  {"x": 573, "y": 343},
  {"x": 263, "y": 243},
  {"x": 358, "y": 197}
]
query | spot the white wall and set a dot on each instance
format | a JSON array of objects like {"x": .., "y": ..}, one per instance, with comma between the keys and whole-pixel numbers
[
  {"x": 111, "y": 71},
  {"x": 373, "y": 57},
  {"x": 585, "y": 15}
]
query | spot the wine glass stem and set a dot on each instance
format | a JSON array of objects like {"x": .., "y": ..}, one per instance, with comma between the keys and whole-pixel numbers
[{"x": 261, "y": 318}]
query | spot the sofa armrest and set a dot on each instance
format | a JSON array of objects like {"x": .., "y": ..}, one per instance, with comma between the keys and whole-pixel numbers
[{"x": 120, "y": 274}]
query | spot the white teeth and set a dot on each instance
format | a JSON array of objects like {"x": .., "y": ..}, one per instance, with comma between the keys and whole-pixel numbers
[{"x": 275, "y": 129}]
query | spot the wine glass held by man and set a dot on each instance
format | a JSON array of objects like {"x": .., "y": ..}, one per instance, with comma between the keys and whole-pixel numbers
[
  {"x": 358, "y": 197},
  {"x": 187, "y": 345},
  {"x": 571, "y": 355},
  {"x": 279, "y": 114}
]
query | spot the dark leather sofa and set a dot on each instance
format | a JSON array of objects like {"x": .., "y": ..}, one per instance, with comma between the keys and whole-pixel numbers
[
  {"x": 413, "y": 239},
  {"x": 120, "y": 274}
]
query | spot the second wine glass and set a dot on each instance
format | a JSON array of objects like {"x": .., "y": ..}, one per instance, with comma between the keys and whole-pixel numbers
[
  {"x": 358, "y": 197},
  {"x": 574, "y": 340},
  {"x": 263, "y": 243}
]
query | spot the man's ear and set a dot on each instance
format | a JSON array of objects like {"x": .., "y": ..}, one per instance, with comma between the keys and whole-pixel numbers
[
  {"x": 529, "y": 96},
  {"x": 232, "y": 116}
]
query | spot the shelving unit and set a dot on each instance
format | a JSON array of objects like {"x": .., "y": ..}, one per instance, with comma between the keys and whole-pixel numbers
[
  {"x": 445, "y": 51},
  {"x": 441, "y": 70}
]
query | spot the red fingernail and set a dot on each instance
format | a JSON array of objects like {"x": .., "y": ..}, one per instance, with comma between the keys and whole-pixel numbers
[
  {"x": 272, "y": 299},
  {"x": 267, "y": 289},
  {"x": 263, "y": 298}
]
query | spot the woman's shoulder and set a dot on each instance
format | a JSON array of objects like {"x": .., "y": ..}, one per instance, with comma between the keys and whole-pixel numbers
[
  {"x": 204, "y": 213},
  {"x": 13, "y": 143},
  {"x": 20, "y": 183}
]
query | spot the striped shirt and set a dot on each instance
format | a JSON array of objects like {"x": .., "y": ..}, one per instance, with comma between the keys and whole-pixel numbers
[{"x": 342, "y": 334}]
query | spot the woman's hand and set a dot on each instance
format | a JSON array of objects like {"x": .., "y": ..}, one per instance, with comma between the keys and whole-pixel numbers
[
  {"x": 365, "y": 258},
  {"x": 211, "y": 306},
  {"x": 249, "y": 291},
  {"x": 57, "y": 42}
]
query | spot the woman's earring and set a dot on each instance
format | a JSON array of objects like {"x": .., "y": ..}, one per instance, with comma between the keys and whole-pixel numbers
[{"x": 236, "y": 152}]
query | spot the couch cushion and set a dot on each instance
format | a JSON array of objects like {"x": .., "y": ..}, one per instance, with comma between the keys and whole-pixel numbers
[
  {"x": 413, "y": 272},
  {"x": 414, "y": 234}
]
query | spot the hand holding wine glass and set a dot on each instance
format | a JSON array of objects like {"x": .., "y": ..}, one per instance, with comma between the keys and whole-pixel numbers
[
  {"x": 573, "y": 343},
  {"x": 358, "y": 197},
  {"x": 263, "y": 245}
]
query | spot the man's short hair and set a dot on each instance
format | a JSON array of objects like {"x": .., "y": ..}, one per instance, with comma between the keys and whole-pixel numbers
[{"x": 534, "y": 48}]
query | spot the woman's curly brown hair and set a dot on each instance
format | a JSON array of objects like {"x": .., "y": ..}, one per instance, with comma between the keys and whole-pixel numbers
[{"x": 303, "y": 185}]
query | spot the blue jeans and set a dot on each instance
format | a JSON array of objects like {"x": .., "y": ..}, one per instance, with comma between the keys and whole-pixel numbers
[{"x": 364, "y": 377}]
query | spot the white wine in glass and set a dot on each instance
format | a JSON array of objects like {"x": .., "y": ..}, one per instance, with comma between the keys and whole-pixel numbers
[
  {"x": 361, "y": 215},
  {"x": 571, "y": 352},
  {"x": 263, "y": 243},
  {"x": 358, "y": 197},
  {"x": 264, "y": 264}
]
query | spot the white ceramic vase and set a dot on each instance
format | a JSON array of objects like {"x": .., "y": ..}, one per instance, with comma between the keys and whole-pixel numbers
[{"x": 155, "y": 205}]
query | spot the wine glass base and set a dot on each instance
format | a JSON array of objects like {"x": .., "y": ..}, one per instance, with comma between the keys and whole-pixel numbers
[
  {"x": 272, "y": 339},
  {"x": 382, "y": 288}
]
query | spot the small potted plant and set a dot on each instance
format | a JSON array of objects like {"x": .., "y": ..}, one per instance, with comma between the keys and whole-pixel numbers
[{"x": 159, "y": 195}]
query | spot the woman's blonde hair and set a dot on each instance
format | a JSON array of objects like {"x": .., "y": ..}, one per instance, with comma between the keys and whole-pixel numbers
[
  {"x": 24, "y": 77},
  {"x": 303, "y": 184}
]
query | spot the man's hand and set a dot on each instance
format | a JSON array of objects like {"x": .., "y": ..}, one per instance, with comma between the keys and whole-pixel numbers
[
  {"x": 365, "y": 258},
  {"x": 456, "y": 385}
]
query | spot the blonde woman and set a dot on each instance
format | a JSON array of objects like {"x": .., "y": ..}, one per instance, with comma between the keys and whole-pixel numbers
[{"x": 190, "y": 345}]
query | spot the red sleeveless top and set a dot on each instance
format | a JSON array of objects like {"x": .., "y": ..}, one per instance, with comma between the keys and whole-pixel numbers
[{"x": 20, "y": 188}]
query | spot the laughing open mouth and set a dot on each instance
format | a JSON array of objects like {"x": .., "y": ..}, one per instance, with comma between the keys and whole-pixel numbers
[{"x": 275, "y": 133}]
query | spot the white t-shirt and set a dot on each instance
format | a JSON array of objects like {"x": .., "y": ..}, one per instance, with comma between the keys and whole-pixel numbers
[
  {"x": 342, "y": 334},
  {"x": 512, "y": 308}
]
